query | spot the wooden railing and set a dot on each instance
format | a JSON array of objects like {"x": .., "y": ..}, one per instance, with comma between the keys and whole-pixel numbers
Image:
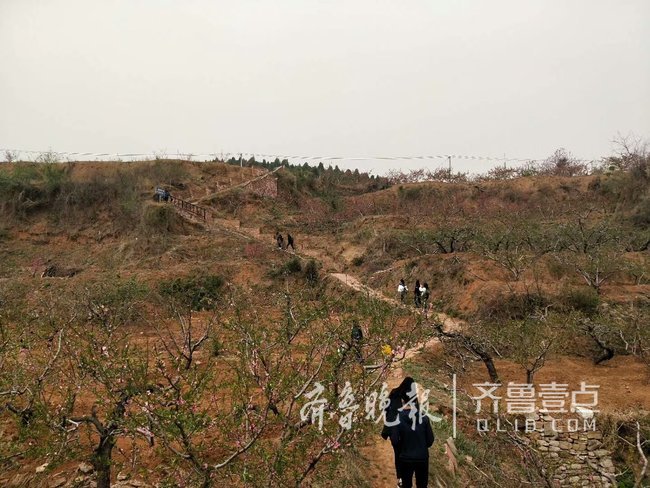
[{"x": 189, "y": 207}]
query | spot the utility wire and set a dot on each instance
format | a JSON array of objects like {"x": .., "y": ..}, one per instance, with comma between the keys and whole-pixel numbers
[{"x": 248, "y": 155}]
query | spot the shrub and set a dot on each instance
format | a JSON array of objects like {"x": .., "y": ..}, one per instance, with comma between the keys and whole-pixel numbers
[
  {"x": 194, "y": 292},
  {"x": 160, "y": 219},
  {"x": 641, "y": 214},
  {"x": 292, "y": 266},
  {"x": 357, "y": 261},
  {"x": 512, "y": 306},
  {"x": 166, "y": 172},
  {"x": 311, "y": 272},
  {"x": 558, "y": 269},
  {"x": 585, "y": 300}
]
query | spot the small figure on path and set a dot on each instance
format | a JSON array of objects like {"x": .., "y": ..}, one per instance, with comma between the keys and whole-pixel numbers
[
  {"x": 402, "y": 290},
  {"x": 280, "y": 240},
  {"x": 357, "y": 338},
  {"x": 290, "y": 241},
  {"x": 424, "y": 295},
  {"x": 416, "y": 292}
]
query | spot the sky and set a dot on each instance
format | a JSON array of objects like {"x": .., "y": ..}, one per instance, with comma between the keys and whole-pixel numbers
[{"x": 356, "y": 79}]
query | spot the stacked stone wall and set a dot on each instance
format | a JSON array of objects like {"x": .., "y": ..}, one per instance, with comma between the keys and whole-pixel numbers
[{"x": 573, "y": 456}]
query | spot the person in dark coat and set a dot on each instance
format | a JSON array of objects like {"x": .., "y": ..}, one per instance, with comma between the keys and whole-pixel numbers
[
  {"x": 416, "y": 292},
  {"x": 357, "y": 339},
  {"x": 413, "y": 437},
  {"x": 397, "y": 398},
  {"x": 290, "y": 241}
]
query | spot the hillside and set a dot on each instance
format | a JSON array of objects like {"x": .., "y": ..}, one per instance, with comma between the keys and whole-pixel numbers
[{"x": 156, "y": 347}]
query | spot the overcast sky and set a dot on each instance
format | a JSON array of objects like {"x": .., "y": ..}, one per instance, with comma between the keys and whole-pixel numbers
[{"x": 326, "y": 77}]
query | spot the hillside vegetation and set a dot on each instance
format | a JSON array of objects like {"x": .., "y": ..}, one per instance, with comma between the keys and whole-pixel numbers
[{"x": 179, "y": 352}]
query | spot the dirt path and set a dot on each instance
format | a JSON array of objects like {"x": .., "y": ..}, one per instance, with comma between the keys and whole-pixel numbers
[{"x": 378, "y": 453}]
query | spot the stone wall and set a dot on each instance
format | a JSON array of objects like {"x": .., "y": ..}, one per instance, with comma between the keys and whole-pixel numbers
[{"x": 572, "y": 458}]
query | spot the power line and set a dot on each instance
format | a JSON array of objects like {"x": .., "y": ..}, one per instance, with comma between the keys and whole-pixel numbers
[{"x": 248, "y": 155}]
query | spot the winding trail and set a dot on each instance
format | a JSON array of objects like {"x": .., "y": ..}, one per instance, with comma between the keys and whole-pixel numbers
[{"x": 377, "y": 453}]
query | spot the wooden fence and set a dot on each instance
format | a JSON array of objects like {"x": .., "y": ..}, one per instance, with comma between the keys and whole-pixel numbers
[{"x": 189, "y": 207}]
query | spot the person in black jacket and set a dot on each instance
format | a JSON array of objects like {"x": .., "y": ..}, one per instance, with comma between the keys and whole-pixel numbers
[
  {"x": 397, "y": 397},
  {"x": 416, "y": 293},
  {"x": 357, "y": 339},
  {"x": 413, "y": 437}
]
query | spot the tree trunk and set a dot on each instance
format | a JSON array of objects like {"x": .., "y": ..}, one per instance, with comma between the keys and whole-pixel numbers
[
  {"x": 486, "y": 358},
  {"x": 102, "y": 460},
  {"x": 491, "y": 368},
  {"x": 608, "y": 353}
]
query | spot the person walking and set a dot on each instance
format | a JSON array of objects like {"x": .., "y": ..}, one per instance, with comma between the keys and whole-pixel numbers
[
  {"x": 425, "y": 293},
  {"x": 402, "y": 290},
  {"x": 416, "y": 292},
  {"x": 397, "y": 398},
  {"x": 290, "y": 241},
  {"x": 413, "y": 437},
  {"x": 280, "y": 240},
  {"x": 357, "y": 339}
]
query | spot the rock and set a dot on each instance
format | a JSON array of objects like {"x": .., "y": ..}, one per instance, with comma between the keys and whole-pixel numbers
[
  {"x": 554, "y": 443},
  {"x": 122, "y": 476},
  {"x": 594, "y": 435},
  {"x": 576, "y": 466},
  {"x": 554, "y": 449},
  {"x": 137, "y": 483},
  {"x": 85, "y": 468},
  {"x": 606, "y": 463},
  {"x": 580, "y": 447},
  {"x": 601, "y": 453},
  {"x": 593, "y": 444},
  {"x": 542, "y": 448},
  {"x": 564, "y": 445},
  {"x": 585, "y": 413},
  {"x": 57, "y": 482},
  {"x": 549, "y": 432},
  {"x": 42, "y": 467},
  {"x": 574, "y": 479}
]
